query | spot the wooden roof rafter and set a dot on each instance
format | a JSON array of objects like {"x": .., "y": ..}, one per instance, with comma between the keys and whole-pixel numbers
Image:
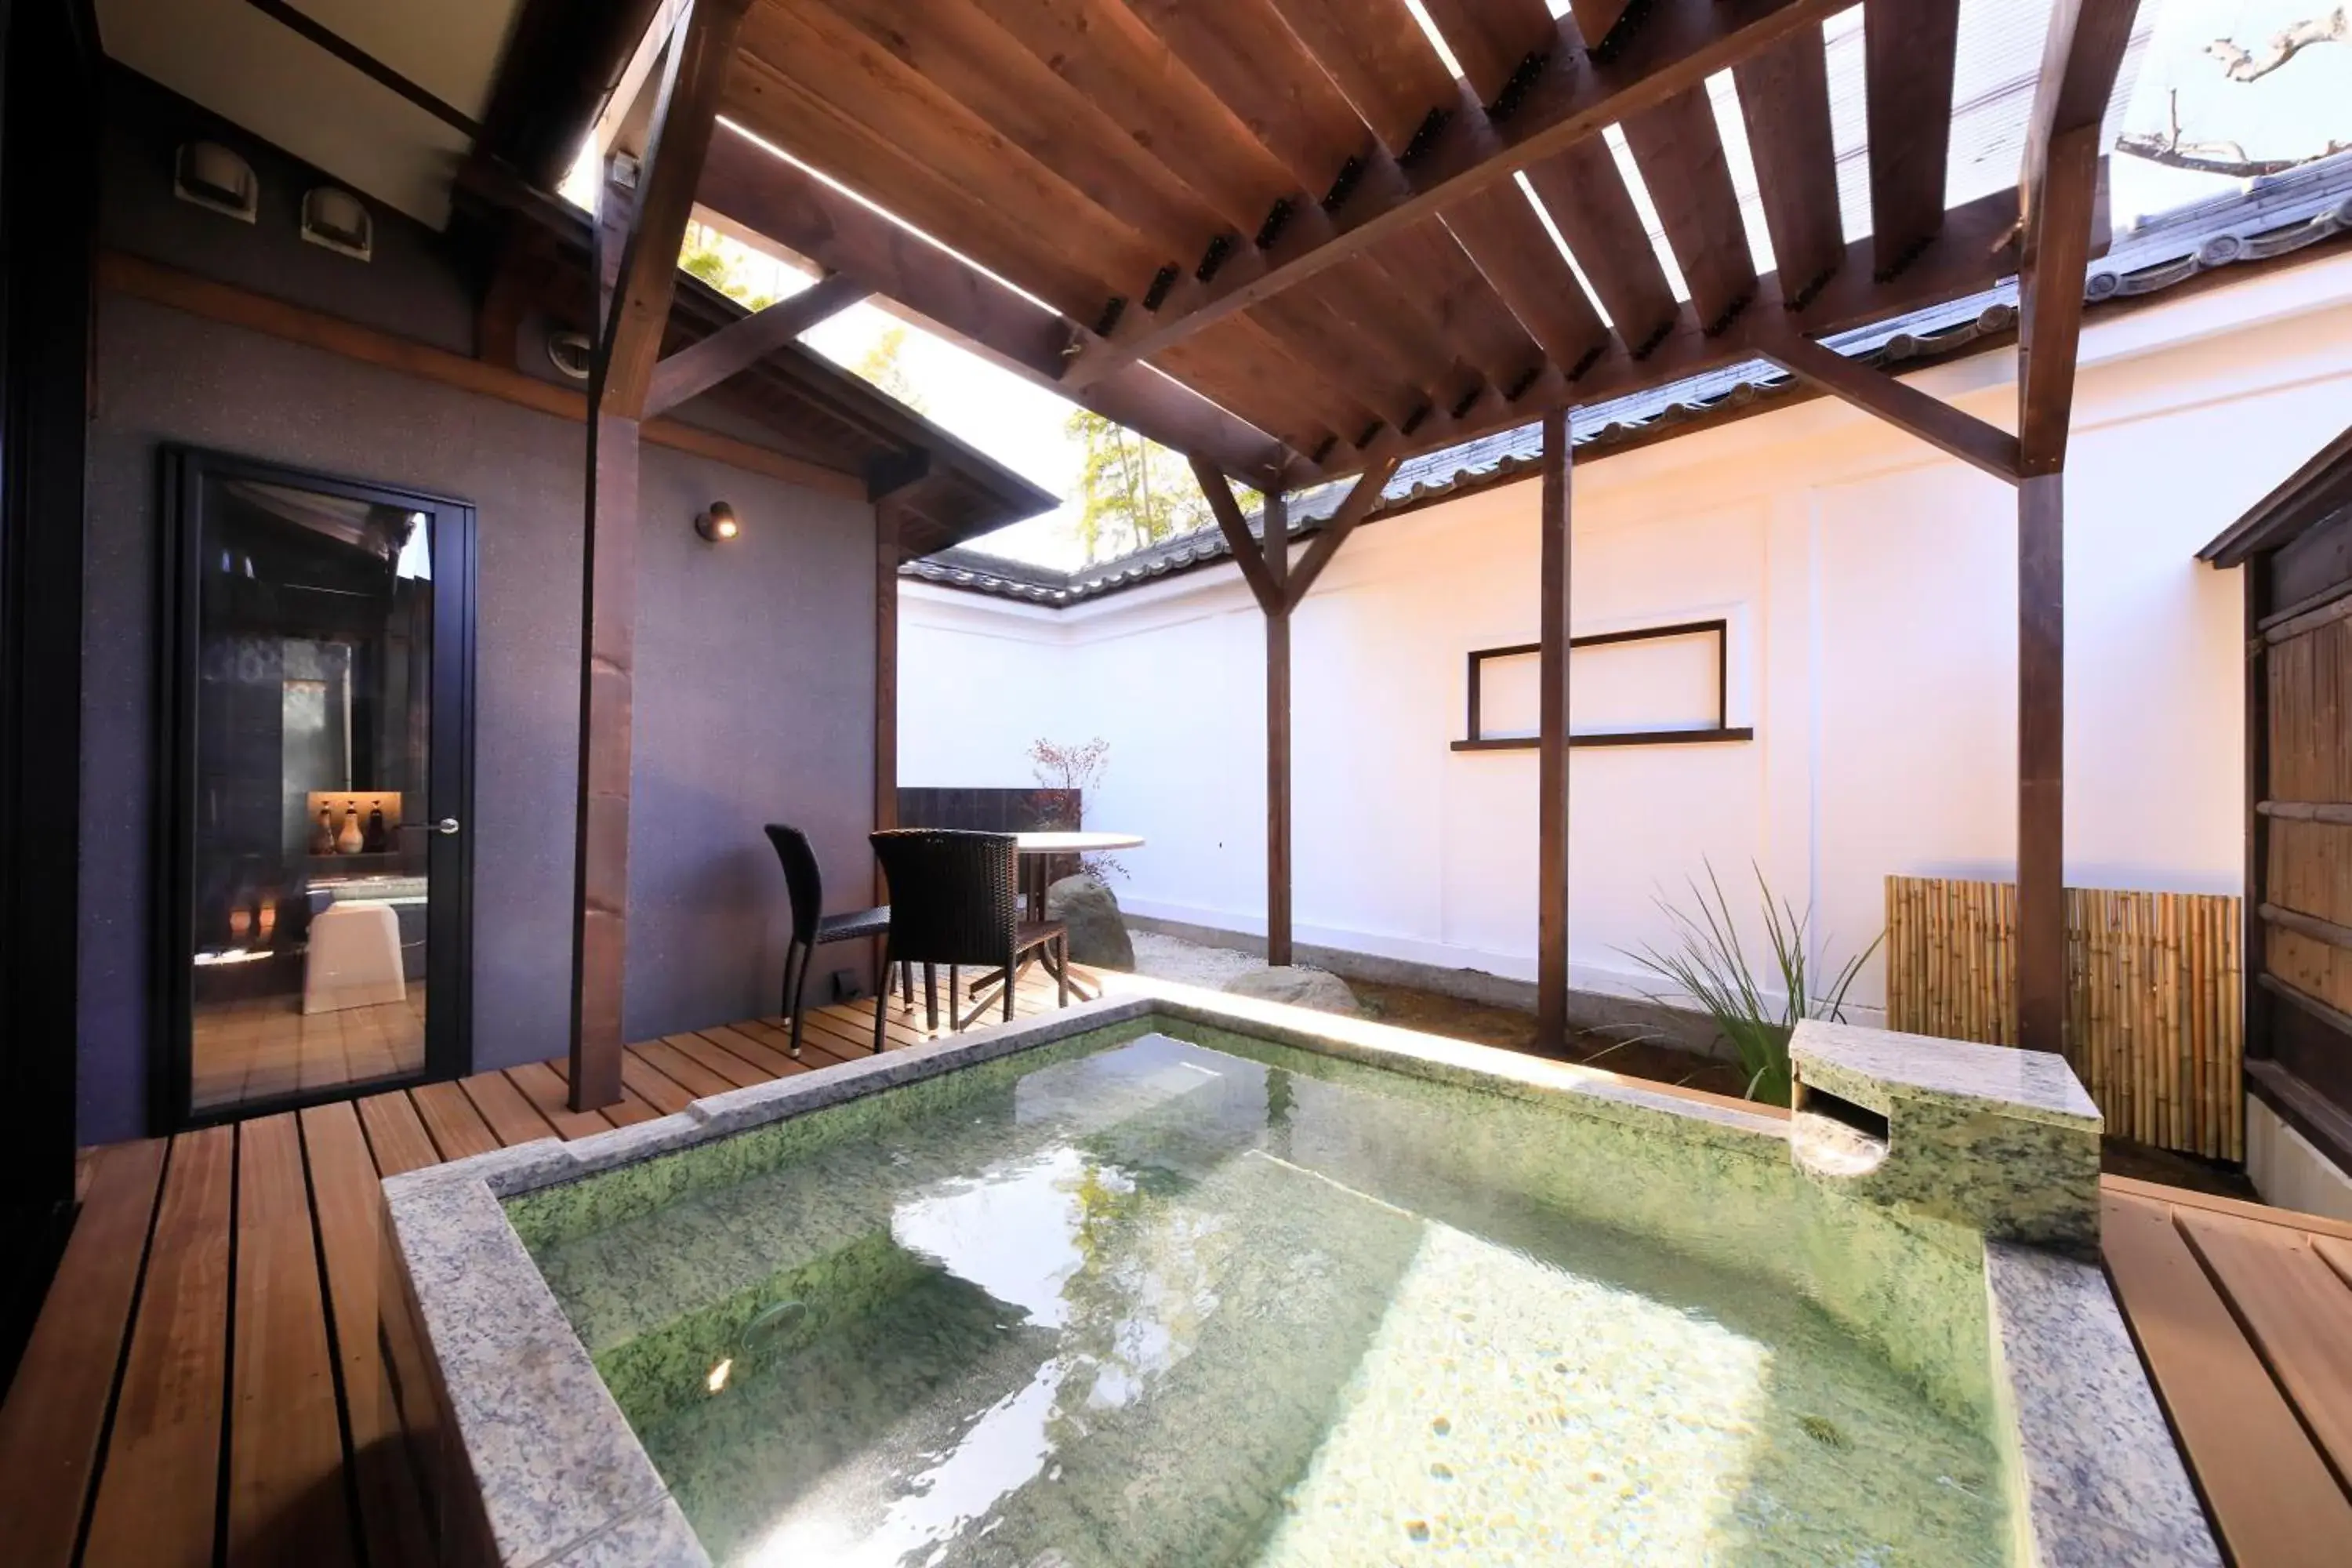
[{"x": 1284, "y": 234}]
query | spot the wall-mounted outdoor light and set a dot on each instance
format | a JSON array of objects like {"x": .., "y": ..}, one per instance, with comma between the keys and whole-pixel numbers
[{"x": 717, "y": 525}]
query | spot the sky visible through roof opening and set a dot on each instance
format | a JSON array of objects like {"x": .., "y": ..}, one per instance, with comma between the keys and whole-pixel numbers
[{"x": 2212, "y": 94}]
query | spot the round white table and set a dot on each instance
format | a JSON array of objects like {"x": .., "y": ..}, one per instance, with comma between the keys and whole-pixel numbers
[{"x": 1037, "y": 850}]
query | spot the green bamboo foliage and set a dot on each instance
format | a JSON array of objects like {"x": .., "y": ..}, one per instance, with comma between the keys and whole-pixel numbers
[{"x": 1705, "y": 963}]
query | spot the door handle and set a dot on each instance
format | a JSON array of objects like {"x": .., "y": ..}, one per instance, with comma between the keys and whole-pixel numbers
[{"x": 446, "y": 825}]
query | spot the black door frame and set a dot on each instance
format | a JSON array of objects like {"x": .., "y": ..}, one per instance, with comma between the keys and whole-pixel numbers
[
  {"x": 448, "y": 1013},
  {"x": 48, "y": 180}
]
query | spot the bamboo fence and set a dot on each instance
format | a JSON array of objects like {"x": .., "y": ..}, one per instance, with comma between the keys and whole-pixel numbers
[{"x": 2153, "y": 1025}]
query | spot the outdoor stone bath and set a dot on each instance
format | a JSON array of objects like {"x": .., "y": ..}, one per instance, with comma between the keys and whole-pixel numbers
[{"x": 1172, "y": 1277}]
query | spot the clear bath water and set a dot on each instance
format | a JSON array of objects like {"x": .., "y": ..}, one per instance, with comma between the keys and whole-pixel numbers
[{"x": 1161, "y": 1304}]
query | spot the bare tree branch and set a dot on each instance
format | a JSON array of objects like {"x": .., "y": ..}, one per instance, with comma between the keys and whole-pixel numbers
[{"x": 2242, "y": 64}]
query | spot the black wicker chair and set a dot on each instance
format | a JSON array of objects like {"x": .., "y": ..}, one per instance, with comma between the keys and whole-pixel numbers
[
  {"x": 955, "y": 899},
  {"x": 812, "y": 927}
]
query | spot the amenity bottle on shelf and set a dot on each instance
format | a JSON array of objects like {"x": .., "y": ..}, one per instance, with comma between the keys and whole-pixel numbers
[
  {"x": 323, "y": 832},
  {"x": 374, "y": 842},
  {"x": 349, "y": 840}
]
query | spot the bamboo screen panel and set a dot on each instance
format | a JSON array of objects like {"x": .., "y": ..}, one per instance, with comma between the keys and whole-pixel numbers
[{"x": 2154, "y": 1026}]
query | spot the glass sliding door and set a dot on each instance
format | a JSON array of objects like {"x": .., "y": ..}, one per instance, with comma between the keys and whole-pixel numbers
[{"x": 313, "y": 933}]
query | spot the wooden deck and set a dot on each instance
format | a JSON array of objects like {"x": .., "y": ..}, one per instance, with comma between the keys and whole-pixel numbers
[{"x": 205, "y": 1367}]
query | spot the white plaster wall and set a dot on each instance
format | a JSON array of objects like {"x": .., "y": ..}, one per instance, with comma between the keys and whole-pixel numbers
[{"x": 1869, "y": 587}]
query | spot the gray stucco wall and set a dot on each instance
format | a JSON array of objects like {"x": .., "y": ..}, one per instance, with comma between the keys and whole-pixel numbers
[
  {"x": 754, "y": 694},
  {"x": 754, "y": 688}
]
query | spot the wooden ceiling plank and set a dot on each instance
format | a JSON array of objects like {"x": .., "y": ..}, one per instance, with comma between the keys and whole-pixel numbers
[
  {"x": 1494, "y": 38},
  {"x": 764, "y": 193},
  {"x": 1587, "y": 199},
  {"x": 1784, "y": 102},
  {"x": 780, "y": 111},
  {"x": 1246, "y": 54},
  {"x": 1908, "y": 48},
  {"x": 1679, "y": 147},
  {"x": 1377, "y": 54},
  {"x": 1101, "y": 49},
  {"x": 1390, "y": 305},
  {"x": 1977, "y": 249},
  {"x": 1597, "y": 19},
  {"x": 1237, "y": 368},
  {"x": 1414, "y": 286},
  {"x": 1310, "y": 332},
  {"x": 1464, "y": 306},
  {"x": 987, "y": 71},
  {"x": 1677, "y": 45},
  {"x": 1501, "y": 235},
  {"x": 835, "y": 64}
]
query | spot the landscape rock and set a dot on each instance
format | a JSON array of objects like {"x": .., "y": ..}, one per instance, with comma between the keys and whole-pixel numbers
[
  {"x": 1098, "y": 931},
  {"x": 1316, "y": 988}
]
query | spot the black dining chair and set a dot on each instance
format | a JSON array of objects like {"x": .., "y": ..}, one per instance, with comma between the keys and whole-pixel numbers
[
  {"x": 812, "y": 927},
  {"x": 955, "y": 899}
]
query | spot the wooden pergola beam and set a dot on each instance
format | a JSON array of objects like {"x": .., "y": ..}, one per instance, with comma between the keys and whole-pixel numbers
[
  {"x": 638, "y": 236},
  {"x": 2059, "y": 193},
  {"x": 1931, "y": 419},
  {"x": 738, "y": 346},
  {"x": 1676, "y": 46},
  {"x": 685, "y": 117},
  {"x": 1247, "y": 555},
  {"x": 1362, "y": 498},
  {"x": 767, "y": 195}
]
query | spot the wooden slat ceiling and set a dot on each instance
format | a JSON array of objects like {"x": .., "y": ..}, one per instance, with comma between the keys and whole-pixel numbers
[{"x": 1295, "y": 209}]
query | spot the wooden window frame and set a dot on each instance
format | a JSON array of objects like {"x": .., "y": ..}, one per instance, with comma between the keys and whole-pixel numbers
[{"x": 1719, "y": 731}]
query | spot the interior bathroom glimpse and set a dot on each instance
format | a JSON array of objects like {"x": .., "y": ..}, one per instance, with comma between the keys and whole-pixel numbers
[{"x": 311, "y": 727}]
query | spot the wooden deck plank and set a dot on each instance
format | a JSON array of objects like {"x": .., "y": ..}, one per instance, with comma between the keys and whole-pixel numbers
[
  {"x": 2186, "y": 1198},
  {"x": 626, "y": 1111},
  {"x": 717, "y": 1059},
  {"x": 285, "y": 1498},
  {"x": 2298, "y": 1313},
  {"x": 512, "y": 1118},
  {"x": 680, "y": 1068},
  {"x": 772, "y": 1062},
  {"x": 55, "y": 1414},
  {"x": 778, "y": 1043},
  {"x": 457, "y": 1129},
  {"x": 2337, "y": 1253},
  {"x": 2271, "y": 1497},
  {"x": 349, "y": 1208},
  {"x": 158, "y": 1486},
  {"x": 545, "y": 1087},
  {"x": 395, "y": 1134},
  {"x": 827, "y": 1040},
  {"x": 663, "y": 1093}
]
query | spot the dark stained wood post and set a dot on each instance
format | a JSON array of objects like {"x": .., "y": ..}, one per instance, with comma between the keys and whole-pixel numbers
[
  {"x": 1277, "y": 733},
  {"x": 1551, "y": 748},
  {"x": 638, "y": 239},
  {"x": 2040, "y": 762},
  {"x": 1278, "y": 590},
  {"x": 2059, "y": 210},
  {"x": 885, "y": 676}
]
